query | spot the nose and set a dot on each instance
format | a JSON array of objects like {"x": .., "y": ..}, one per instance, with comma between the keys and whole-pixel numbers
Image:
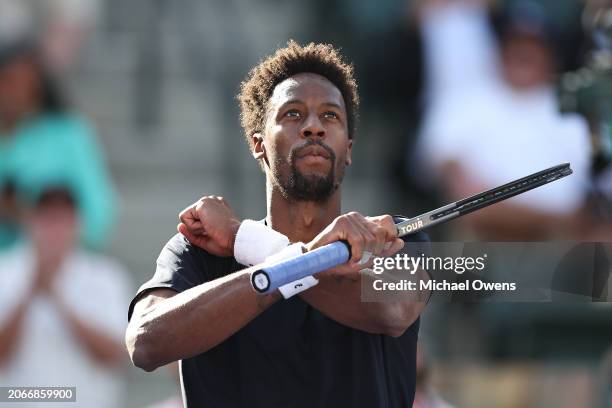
[{"x": 312, "y": 127}]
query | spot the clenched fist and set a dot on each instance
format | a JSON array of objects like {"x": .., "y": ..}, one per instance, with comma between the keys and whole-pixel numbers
[
  {"x": 210, "y": 224},
  {"x": 367, "y": 237}
]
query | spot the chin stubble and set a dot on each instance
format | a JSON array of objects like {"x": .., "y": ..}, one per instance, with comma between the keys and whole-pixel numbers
[{"x": 299, "y": 187}]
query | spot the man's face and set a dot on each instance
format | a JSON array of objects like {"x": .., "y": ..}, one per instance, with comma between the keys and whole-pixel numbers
[
  {"x": 53, "y": 227},
  {"x": 305, "y": 145},
  {"x": 527, "y": 62},
  {"x": 19, "y": 88}
]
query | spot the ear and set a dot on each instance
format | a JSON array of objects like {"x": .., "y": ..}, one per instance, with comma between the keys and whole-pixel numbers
[
  {"x": 259, "y": 149},
  {"x": 349, "y": 153}
]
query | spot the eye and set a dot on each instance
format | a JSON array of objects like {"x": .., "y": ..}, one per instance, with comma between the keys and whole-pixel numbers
[
  {"x": 330, "y": 115},
  {"x": 292, "y": 113}
]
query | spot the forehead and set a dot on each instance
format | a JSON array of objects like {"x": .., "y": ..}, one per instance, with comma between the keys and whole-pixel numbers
[{"x": 306, "y": 87}]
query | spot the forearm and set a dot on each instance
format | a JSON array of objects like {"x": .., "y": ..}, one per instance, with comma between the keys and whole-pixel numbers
[
  {"x": 195, "y": 320},
  {"x": 11, "y": 332},
  {"x": 340, "y": 300}
]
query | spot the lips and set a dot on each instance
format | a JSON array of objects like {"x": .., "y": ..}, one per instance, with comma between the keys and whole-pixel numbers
[{"x": 314, "y": 151}]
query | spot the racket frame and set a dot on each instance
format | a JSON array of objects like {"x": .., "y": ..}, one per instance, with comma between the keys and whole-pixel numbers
[{"x": 481, "y": 200}]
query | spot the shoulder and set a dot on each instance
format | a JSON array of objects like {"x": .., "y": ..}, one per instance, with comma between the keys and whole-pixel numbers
[
  {"x": 70, "y": 122},
  {"x": 178, "y": 247},
  {"x": 179, "y": 256},
  {"x": 66, "y": 132}
]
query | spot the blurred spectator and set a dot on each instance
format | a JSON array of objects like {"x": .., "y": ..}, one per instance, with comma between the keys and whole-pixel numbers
[
  {"x": 67, "y": 27},
  {"x": 62, "y": 309},
  {"x": 40, "y": 139},
  {"x": 175, "y": 400},
  {"x": 494, "y": 118},
  {"x": 588, "y": 91},
  {"x": 426, "y": 396}
]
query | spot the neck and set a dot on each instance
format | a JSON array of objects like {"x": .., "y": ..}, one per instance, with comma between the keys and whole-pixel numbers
[{"x": 300, "y": 221}]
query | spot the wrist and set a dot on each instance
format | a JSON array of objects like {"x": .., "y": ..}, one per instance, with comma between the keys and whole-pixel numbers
[
  {"x": 254, "y": 242},
  {"x": 234, "y": 227}
]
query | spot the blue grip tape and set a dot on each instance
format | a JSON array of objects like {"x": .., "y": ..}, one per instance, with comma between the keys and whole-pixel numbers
[{"x": 271, "y": 277}]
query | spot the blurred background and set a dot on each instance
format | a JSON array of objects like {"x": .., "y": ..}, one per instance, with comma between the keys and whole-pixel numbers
[{"x": 116, "y": 115}]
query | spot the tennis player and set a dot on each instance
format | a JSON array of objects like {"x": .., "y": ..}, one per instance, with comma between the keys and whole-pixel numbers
[{"x": 313, "y": 343}]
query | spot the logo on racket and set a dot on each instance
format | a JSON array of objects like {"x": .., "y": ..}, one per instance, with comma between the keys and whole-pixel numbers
[
  {"x": 260, "y": 281},
  {"x": 407, "y": 229}
]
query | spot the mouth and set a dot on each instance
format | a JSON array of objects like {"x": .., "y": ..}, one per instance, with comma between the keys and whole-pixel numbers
[
  {"x": 313, "y": 152},
  {"x": 313, "y": 161}
]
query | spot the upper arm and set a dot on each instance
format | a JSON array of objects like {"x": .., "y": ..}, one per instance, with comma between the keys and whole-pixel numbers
[
  {"x": 147, "y": 300},
  {"x": 144, "y": 302},
  {"x": 179, "y": 267}
]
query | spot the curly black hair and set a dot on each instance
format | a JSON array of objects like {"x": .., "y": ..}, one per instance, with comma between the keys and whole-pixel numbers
[{"x": 321, "y": 59}]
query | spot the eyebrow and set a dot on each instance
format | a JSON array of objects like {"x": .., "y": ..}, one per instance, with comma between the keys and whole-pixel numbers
[{"x": 299, "y": 101}]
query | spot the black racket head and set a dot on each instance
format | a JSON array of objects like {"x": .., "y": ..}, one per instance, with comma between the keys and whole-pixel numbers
[
  {"x": 508, "y": 190},
  {"x": 489, "y": 197}
]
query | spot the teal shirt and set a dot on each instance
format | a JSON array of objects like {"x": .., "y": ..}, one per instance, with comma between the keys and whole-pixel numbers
[{"x": 60, "y": 150}]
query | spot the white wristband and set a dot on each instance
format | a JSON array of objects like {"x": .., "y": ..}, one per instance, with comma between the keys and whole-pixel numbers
[
  {"x": 300, "y": 285},
  {"x": 255, "y": 242},
  {"x": 287, "y": 252}
]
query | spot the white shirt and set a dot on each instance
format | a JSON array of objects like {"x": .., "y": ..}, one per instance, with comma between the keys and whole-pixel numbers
[
  {"x": 96, "y": 289},
  {"x": 496, "y": 134}
]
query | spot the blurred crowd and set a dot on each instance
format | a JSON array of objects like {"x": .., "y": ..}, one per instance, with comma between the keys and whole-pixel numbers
[
  {"x": 63, "y": 302},
  {"x": 458, "y": 96}
]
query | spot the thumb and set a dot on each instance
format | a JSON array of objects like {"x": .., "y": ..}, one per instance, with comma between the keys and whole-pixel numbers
[
  {"x": 396, "y": 245},
  {"x": 322, "y": 239}
]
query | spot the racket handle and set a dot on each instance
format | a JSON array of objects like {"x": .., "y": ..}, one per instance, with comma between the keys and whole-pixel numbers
[{"x": 271, "y": 277}]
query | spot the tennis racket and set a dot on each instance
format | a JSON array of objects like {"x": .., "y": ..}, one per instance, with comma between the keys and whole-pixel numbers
[{"x": 271, "y": 277}]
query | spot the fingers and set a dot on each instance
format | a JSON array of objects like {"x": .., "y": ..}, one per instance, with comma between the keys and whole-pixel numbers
[
  {"x": 193, "y": 226},
  {"x": 367, "y": 236},
  {"x": 387, "y": 224},
  {"x": 201, "y": 240},
  {"x": 183, "y": 229},
  {"x": 191, "y": 219},
  {"x": 354, "y": 235},
  {"x": 384, "y": 231},
  {"x": 363, "y": 237},
  {"x": 195, "y": 215},
  {"x": 370, "y": 236}
]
